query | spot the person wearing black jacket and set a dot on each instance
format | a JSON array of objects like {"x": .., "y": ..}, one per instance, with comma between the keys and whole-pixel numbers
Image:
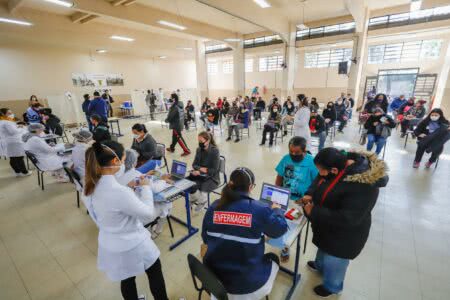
[
  {"x": 317, "y": 127},
  {"x": 314, "y": 105},
  {"x": 259, "y": 108},
  {"x": 341, "y": 114},
  {"x": 339, "y": 204},
  {"x": 189, "y": 114},
  {"x": 379, "y": 101},
  {"x": 100, "y": 131},
  {"x": 145, "y": 145},
  {"x": 412, "y": 117},
  {"x": 432, "y": 133},
  {"x": 206, "y": 170},
  {"x": 52, "y": 123},
  {"x": 175, "y": 123},
  {"x": 329, "y": 114},
  {"x": 378, "y": 126},
  {"x": 85, "y": 108}
]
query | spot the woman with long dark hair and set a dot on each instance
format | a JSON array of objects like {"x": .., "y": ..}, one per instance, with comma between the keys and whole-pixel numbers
[
  {"x": 125, "y": 247},
  {"x": 146, "y": 146},
  {"x": 432, "y": 133},
  {"x": 233, "y": 236}
]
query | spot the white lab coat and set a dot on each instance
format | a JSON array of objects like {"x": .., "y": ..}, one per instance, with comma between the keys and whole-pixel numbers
[
  {"x": 47, "y": 156},
  {"x": 162, "y": 209},
  {"x": 79, "y": 159},
  {"x": 11, "y": 139},
  {"x": 125, "y": 247},
  {"x": 301, "y": 124}
]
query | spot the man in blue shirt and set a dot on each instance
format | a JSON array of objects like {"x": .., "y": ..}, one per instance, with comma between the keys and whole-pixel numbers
[
  {"x": 98, "y": 106},
  {"x": 296, "y": 170}
]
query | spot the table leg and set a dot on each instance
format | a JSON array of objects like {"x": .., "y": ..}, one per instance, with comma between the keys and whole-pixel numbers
[
  {"x": 191, "y": 230},
  {"x": 112, "y": 127},
  {"x": 118, "y": 127},
  {"x": 295, "y": 276}
]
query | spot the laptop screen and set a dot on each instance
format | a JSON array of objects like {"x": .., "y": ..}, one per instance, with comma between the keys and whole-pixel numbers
[
  {"x": 179, "y": 168},
  {"x": 275, "y": 194}
]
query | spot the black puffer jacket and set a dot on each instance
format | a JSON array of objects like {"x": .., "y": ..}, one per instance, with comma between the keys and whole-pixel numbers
[{"x": 342, "y": 223}]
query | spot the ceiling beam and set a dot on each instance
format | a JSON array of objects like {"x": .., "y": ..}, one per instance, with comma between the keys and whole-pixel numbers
[
  {"x": 118, "y": 2},
  {"x": 146, "y": 15},
  {"x": 78, "y": 17},
  {"x": 13, "y": 5},
  {"x": 88, "y": 19},
  {"x": 129, "y": 2}
]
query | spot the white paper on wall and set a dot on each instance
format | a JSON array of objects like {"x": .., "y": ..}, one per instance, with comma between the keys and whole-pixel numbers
[{"x": 138, "y": 99}]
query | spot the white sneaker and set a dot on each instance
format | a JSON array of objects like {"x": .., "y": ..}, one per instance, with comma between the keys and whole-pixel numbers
[
  {"x": 26, "y": 174},
  {"x": 142, "y": 297}
]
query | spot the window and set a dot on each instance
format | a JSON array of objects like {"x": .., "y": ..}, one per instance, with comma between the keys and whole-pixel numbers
[
  {"x": 217, "y": 48},
  {"x": 212, "y": 68},
  {"x": 270, "y": 63},
  {"x": 403, "y": 52},
  {"x": 329, "y": 30},
  {"x": 227, "y": 67},
  {"x": 248, "y": 65},
  {"x": 327, "y": 58},
  {"x": 262, "y": 41}
]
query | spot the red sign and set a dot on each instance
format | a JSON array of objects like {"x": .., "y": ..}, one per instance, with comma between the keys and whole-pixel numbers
[{"x": 232, "y": 218}]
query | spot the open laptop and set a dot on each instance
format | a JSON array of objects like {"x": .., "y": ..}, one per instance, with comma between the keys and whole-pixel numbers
[
  {"x": 178, "y": 171},
  {"x": 275, "y": 194}
]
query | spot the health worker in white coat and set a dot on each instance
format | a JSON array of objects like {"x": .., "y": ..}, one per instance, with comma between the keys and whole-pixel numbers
[
  {"x": 82, "y": 140},
  {"x": 301, "y": 119},
  {"x": 46, "y": 155},
  {"x": 11, "y": 142},
  {"x": 125, "y": 247}
]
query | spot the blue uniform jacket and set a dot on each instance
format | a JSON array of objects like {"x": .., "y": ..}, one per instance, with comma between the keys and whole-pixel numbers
[
  {"x": 98, "y": 106},
  {"x": 235, "y": 239},
  {"x": 397, "y": 103}
]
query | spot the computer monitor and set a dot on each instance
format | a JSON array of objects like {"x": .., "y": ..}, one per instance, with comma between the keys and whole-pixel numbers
[
  {"x": 275, "y": 194},
  {"x": 179, "y": 168}
]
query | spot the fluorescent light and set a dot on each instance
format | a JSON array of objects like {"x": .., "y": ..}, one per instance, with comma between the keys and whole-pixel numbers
[
  {"x": 162, "y": 56},
  {"x": 184, "y": 48},
  {"x": 121, "y": 38},
  {"x": 61, "y": 2},
  {"x": 173, "y": 25},
  {"x": 415, "y": 5},
  {"x": 262, "y": 3},
  {"x": 101, "y": 51},
  {"x": 232, "y": 40},
  {"x": 277, "y": 51},
  {"x": 17, "y": 22}
]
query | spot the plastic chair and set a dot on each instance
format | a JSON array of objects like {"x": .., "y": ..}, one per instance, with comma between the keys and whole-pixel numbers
[
  {"x": 162, "y": 149},
  {"x": 222, "y": 170},
  {"x": 209, "y": 282},
  {"x": 40, "y": 173}
]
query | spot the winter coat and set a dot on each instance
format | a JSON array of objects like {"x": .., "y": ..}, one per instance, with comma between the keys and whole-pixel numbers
[
  {"x": 101, "y": 133},
  {"x": 329, "y": 113},
  {"x": 341, "y": 222},
  {"x": 317, "y": 123},
  {"x": 434, "y": 141},
  {"x": 98, "y": 106},
  {"x": 383, "y": 130},
  {"x": 173, "y": 118},
  {"x": 147, "y": 148},
  {"x": 53, "y": 125},
  {"x": 210, "y": 159}
]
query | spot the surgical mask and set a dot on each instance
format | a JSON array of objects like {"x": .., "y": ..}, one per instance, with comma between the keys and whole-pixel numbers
[
  {"x": 42, "y": 134},
  {"x": 136, "y": 136},
  {"x": 275, "y": 110},
  {"x": 296, "y": 158},
  {"x": 339, "y": 102},
  {"x": 202, "y": 146},
  {"x": 435, "y": 118}
]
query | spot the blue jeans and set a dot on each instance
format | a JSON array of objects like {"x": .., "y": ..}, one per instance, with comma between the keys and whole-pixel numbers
[
  {"x": 148, "y": 166},
  {"x": 332, "y": 269},
  {"x": 322, "y": 137},
  {"x": 378, "y": 140}
]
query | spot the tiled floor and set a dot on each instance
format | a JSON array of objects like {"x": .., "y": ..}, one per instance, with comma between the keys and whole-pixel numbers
[{"x": 48, "y": 246}]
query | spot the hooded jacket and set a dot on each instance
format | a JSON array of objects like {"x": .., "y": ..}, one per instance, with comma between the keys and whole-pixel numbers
[
  {"x": 174, "y": 119},
  {"x": 341, "y": 222}
]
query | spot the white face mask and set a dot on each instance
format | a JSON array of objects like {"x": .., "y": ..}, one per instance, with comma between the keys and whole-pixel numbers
[
  {"x": 42, "y": 134},
  {"x": 275, "y": 110},
  {"x": 434, "y": 118},
  {"x": 136, "y": 136}
]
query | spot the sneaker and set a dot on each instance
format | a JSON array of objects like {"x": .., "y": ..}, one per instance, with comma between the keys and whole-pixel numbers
[
  {"x": 312, "y": 266},
  {"x": 142, "y": 297},
  {"x": 416, "y": 165},
  {"x": 24, "y": 174},
  {"x": 62, "y": 180},
  {"x": 285, "y": 133},
  {"x": 198, "y": 207},
  {"x": 285, "y": 255},
  {"x": 185, "y": 153},
  {"x": 428, "y": 165},
  {"x": 170, "y": 150},
  {"x": 228, "y": 139},
  {"x": 262, "y": 144},
  {"x": 322, "y": 292},
  {"x": 236, "y": 140}
]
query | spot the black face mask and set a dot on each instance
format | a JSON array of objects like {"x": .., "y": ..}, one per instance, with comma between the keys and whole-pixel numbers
[
  {"x": 296, "y": 158},
  {"x": 329, "y": 176},
  {"x": 202, "y": 146}
]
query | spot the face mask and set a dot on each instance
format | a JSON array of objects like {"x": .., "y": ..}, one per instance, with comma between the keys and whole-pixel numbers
[
  {"x": 275, "y": 110},
  {"x": 296, "y": 158},
  {"x": 329, "y": 106},
  {"x": 42, "y": 134},
  {"x": 329, "y": 176},
  {"x": 339, "y": 102},
  {"x": 136, "y": 136},
  {"x": 434, "y": 118},
  {"x": 36, "y": 105},
  {"x": 202, "y": 146}
]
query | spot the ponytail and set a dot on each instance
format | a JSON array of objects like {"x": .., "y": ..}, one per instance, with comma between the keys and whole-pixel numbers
[{"x": 240, "y": 182}]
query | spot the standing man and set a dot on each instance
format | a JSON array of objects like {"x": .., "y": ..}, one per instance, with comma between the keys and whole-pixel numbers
[
  {"x": 110, "y": 102},
  {"x": 351, "y": 103},
  {"x": 174, "y": 118},
  {"x": 339, "y": 204},
  {"x": 150, "y": 100},
  {"x": 98, "y": 106},
  {"x": 85, "y": 108}
]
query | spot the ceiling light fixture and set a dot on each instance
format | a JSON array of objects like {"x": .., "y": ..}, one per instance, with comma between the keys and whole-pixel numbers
[
  {"x": 415, "y": 5},
  {"x": 121, "y": 38},
  {"x": 170, "y": 24},
  {"x": 61, "y": 2},
  {"x": 162, "y": 57},
  {"x": 184, "y": 48},
  {"x": 17, "y": 22},
  {"x": 262, "y": 3},
  {"x": 101, "y": 51}
]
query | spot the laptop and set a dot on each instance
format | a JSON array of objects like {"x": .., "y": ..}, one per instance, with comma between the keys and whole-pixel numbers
[
  {"x": 274, "y": 194},
  {"x": 178, "y": 171}
]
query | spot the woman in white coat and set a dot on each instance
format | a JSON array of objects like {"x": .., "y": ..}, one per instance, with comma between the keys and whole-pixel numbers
[
  {"x": 301, "y": 119},
  {"x": 82, "y": 140},
  {"x": 125, "y": 247},
  {"x": 47, "y": 156},
  {"x": 162, "y": 209},
  {"x": 11, "y": 140}
]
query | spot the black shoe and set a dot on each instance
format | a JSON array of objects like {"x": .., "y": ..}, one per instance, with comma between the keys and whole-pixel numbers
[
  {"x": 262, "y": 144},
  {"x": 321, "y": 291},
  {"x": 285, "y": 133},
  {"x": 228, "y": 139},
  {"x": 312, "y": 266},
  {"x": 402, "y": 135},
  {"x": 236, "y": 140}
]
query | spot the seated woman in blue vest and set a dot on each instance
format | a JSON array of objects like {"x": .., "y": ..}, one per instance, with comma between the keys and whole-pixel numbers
[{"x": 233, "y": 235}]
